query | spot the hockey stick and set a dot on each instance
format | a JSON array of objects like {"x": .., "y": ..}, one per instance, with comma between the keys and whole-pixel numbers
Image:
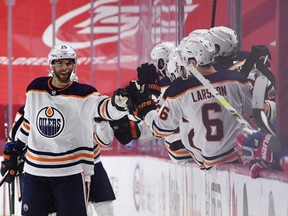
[
  {"x": 262, "y": 68},
  {"x": 248, "y": 128},
  {"x": 11, "y": 187},
  {"x": 3, "y": 178},
  {"x": 253, "y": 58},
  {"x": 213, "y": 13},
  {"x": 259, "y": 89},
  {"x": 258, "y": 99}
]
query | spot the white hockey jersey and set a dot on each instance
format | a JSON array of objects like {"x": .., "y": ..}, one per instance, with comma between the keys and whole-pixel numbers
[
  {"x": 173, "y": 144},
  {"x": 213, "y": 128},
  {"x": 177, "y": 152},
  {"x": 18, "y": 119},
  {"x": 103, "y": 136},
  {"x": 58, "y": 127}
]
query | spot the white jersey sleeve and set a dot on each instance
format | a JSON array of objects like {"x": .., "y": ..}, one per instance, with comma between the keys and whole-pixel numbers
[{"x": 103, "y": 133}]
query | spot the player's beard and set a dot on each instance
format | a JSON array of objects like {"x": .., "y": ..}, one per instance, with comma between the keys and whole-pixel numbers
[{"x": 63, "y": 77}]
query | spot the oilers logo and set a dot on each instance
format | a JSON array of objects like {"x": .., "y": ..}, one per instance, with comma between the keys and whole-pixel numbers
[{"x": 50, "y": 122}]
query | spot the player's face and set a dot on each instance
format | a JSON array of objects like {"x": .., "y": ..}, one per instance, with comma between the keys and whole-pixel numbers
[
  {"x": 161, "y": 64},
  {"x": 62, "y": 70},
  {"x": 217, "y": 49},
  {"x": 183, "y": 72},
  {"x": 173, "y": 77}
]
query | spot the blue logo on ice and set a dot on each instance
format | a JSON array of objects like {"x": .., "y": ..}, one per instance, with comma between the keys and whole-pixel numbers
[{"x": 50, "y": 122}]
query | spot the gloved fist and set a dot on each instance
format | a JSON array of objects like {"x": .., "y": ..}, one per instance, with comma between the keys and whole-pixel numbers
[
  {"x": 257, "y": 167},
  {"x": 138, "y": 93},
  {"x": 121, "y": 99},
  {"x": 147, "y": 74},
  {"x": 3, "y": 168},
  {"x": 141, "y": 98},
  {"x": 125, "y": 130},
  {"x": 254, "y": 147},
  {"x": 10, "y": 163},
  {"x": 260, "y": 50}
]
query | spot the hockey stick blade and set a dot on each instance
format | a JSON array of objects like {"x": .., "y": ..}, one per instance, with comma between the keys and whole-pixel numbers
[
  {"x": 4, "y": 178},
  {"x": 258, "y": 100},
  {"x": 266, "y": 72},
  {"x": 262, "y": 121},
  {"x": 219, "y": 97}
]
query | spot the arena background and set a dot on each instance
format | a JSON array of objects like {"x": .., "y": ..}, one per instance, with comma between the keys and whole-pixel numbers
[{"x": 112, "y": 38}]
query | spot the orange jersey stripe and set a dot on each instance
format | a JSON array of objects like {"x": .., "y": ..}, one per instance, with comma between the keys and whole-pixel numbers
[
  {"x": 228, "y": 158},
  {"x": 26, "y": 126},
  {"x": 103, "y": 109},
  {"x": 59, "y": 159}
]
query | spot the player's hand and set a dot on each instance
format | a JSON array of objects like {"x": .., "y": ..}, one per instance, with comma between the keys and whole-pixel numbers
[
  {"x": 141, "y": 98},
  {"x": 147, "y": 74},
  {"x": 10, "y": 163},
  {"x": 254, "y": 147},
  {"x": 257, "y": 167},
  {"x": 260, "y": 52},
  {"x": 125, "y": 130},
  {"x": 138, "y": 93},
  {"x": 3, "y": 168},
  {"x": 121, "y": 99}
]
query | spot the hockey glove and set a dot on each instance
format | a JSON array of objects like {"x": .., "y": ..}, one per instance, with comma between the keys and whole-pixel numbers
[
  {"x": 154, "y": 89},
  {"x": 138, "y": 93},
  {"x": 147, "y": 74},
  {"x": 121, "y": 99},
  {"x": 255, "y": 147},
  {"x": 257, "y": 167},
  {"x": 141, "y": 98},
  {"x": 3, "y": 168},
  {"x": 257, "y": 52},
  {"x": 10, "y": 163},
  {"x": 143, "y": 108},
  {"x": 261, "y": 51},
  {"x": 125, "y": 130}
]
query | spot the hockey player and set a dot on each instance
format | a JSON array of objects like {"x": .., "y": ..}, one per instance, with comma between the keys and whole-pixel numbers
[
  {"x": 213, "y": 129},
  {"x": 177, "y": 152},
  {"x": 161, "y": 55},
  {"x": 249, "y": 64},
  {"x": 228, "y": 57},
  {"x": 127, "y": 129},
  {"x": 101, "y": 193},
  {"x": 58, "y": 131},
  {"x": 226, "y": 43}
]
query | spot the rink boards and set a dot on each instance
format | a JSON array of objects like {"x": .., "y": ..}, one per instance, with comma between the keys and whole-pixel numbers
[{"x": 149, "y": 186}]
